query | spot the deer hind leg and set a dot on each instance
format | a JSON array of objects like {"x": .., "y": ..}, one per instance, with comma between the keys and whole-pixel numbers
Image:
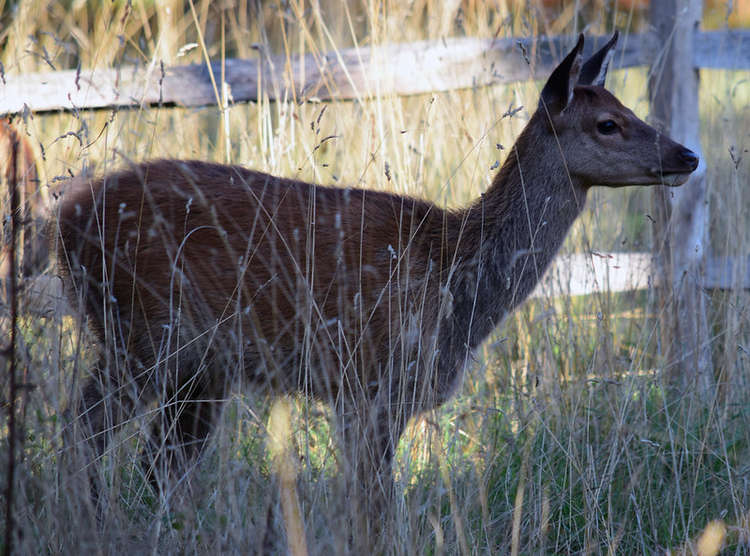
[
  {"x": 107, "y": 401},
  {"x": 180, "y": 431}
]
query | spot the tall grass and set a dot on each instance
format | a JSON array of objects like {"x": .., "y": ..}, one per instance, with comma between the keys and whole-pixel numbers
[{"x": 565, "y": 437}]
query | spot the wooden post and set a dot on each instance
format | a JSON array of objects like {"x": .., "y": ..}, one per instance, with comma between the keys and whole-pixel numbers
[{"x": 681, "y": 214}]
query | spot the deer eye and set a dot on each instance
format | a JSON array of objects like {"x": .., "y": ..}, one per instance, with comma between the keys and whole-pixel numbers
[{"x": 607, "y": 127}]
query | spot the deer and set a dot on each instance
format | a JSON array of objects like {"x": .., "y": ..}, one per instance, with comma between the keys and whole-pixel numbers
[
  {"x": 33, "y": 244},
  {"x": 193, "y": 276}
]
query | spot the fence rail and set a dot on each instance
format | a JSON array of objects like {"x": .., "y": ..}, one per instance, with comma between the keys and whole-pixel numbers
[
  {"x": 569, "y": 275},
  {"x": 596, "y": 273},
  {"x": 392, "y": 69}
]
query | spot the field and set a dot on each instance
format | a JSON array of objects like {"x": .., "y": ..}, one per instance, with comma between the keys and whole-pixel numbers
[{"x": 567, "y": 435}]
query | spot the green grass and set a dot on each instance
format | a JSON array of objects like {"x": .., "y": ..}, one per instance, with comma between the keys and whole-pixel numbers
[{"x": 565, "y": 422}]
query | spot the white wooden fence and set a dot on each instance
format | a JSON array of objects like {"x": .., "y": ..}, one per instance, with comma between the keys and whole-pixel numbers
[{"x": 391, "y": 69}]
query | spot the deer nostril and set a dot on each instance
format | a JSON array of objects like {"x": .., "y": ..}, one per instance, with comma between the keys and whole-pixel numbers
[{"x": 689, "y": 158}]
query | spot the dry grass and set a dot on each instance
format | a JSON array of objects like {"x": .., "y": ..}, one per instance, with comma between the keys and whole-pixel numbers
[{"x": 564, "y": 439}]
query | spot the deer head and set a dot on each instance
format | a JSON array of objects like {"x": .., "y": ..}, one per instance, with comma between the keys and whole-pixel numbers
[{"x": 602, "y": 141}]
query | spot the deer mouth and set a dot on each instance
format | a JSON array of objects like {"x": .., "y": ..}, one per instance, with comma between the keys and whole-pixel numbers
[{"x": 673, "y": 179}]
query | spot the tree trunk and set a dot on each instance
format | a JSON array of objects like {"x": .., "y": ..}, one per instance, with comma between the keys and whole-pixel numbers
[{"x": 681, "y": 214}]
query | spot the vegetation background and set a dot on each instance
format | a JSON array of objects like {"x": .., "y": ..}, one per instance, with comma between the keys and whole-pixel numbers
[{"x": 565, "y": 438}]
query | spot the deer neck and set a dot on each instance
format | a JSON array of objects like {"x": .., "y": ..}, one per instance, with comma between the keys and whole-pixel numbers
[{"x": 514, "y": 230}]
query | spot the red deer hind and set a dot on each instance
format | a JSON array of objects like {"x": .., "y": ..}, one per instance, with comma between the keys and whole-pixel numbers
[
  {"x": 193, "y": 274},
  {"x": 32, "y": 242}
]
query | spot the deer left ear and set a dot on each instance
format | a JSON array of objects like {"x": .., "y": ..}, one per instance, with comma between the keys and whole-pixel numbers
[
  {"x": 558, "y": 91},
  {"x": 594, "y": 71}
]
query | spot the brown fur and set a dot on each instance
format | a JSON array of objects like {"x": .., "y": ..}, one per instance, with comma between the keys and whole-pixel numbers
[
  {"x": 33, "y": 250},
  {"x": 193, "y": 274}
]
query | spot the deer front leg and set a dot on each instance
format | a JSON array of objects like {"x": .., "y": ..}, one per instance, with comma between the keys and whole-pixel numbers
[{"x": 370, "y": 435}]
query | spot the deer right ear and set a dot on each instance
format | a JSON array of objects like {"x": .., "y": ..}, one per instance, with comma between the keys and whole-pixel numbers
[
  {"x": 594, "y": 71},
  {"x": 558, "y": 91}
]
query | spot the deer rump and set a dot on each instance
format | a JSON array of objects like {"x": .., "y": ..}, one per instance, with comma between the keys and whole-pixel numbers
[{"x": 306, "y": 288}]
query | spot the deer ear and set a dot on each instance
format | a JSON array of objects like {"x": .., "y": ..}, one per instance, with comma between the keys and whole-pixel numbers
[
  {"x": 594, "y": 71},
  {"x": 558, "y": 91}
]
